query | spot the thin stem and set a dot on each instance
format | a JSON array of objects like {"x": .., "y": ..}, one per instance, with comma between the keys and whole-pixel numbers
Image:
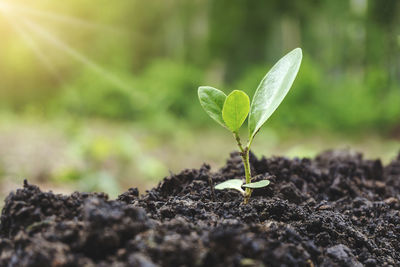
[
  {"x": 239, "y": 143},
  {"x": 246, "y": 162},
  {"x": 247, "y": 171},
  {"x": 251, "y": 139}
]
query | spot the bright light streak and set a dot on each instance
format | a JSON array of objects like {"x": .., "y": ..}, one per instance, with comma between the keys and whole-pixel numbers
[
  {"x": 13, "y": 14},
  {"x": 19, "y": 9},
  {"x": 75, "y": 54},
  {"x": 35, "y": 48}
]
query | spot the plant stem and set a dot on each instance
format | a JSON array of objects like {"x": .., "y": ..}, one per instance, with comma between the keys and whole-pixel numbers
[
  {"x": 244, "y": 152},
  {"x": 247, "y": 171},
  {"x": 236, "y": 135}
]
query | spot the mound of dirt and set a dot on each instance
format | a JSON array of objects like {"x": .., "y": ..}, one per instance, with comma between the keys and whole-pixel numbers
[{"x": 335, "y": 210}]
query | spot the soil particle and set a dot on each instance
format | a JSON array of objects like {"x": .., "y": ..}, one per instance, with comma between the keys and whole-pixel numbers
[
  {"x": 335, "y": 210},
  {"x": 343, "y": 255}
]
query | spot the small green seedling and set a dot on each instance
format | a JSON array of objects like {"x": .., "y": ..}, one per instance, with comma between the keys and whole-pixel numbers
[{"x": 231, "y": 111}]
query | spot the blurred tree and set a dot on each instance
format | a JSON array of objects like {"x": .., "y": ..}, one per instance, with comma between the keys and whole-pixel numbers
[
  {"x": 382, "y": 30},
  {"x": 128, "y": 59},
  {"x": 239, "y": 32}
]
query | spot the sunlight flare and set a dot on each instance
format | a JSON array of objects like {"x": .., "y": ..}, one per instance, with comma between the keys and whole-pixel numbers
[
  {"x": 34, "y": 47},
  {"x": 70, "y": 20},
  {"x": 24, "y": 26},
  {"x": 49, "y": 37}
]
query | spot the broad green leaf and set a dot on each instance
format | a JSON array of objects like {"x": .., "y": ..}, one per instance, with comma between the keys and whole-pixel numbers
[
  {"x": 258, "y": 184},
  {"x": 235, "y": 110},
  {"x": 273, "y": 89},
  {"x": 212, "y": 100},
  {"x": 231, "y": 184}
]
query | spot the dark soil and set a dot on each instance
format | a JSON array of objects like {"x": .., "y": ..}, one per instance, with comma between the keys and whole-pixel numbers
[{"x": 335, "y": 210}]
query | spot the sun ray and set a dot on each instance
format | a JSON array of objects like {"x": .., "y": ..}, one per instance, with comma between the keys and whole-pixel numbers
[
  {"x": 75, "y": 54},
  {"x": 34, "y": 47},
  {"x": 70, "y": 20}
]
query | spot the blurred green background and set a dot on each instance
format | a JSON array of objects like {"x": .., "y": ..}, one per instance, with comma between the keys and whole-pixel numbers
[{"x": 102, "y": 95}]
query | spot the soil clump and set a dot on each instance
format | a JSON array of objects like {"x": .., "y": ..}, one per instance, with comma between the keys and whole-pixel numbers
[{"x": 337, "y": 209}]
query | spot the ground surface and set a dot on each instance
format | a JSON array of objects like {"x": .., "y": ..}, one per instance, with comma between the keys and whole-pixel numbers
[
  {"x": 335, "y": 210},
  {"x": 67, "y": 155}
]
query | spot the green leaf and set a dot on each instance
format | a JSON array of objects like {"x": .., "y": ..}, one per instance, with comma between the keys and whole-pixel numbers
[
  {"x": 273, "y": 89},
  {"x": 258, "y": 184},
  {"x": 235, "y": 110},
  {"x": 212, "y": 100},
  {"x": 231, "y": 184}
]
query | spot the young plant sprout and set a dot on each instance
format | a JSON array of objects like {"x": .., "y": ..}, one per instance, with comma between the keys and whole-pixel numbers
[{"x": 231, "y": 111}]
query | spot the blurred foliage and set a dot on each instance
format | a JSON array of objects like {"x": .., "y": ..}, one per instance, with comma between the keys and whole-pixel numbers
[
  {"x": 143, "y": 61},
  {"x": 89, "y": 156},
  {"x": 103, "y": 162},
  {"x": 101, "y": 96},
  {"x": 351, "y": 105}
]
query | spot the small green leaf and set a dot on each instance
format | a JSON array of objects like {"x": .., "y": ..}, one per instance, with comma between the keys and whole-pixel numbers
[
  {"x": 231, "y": 184},
  {"x": 235, "y": 110},
  {"x": 212, "y": 100},
  {"x": 273, "y": 89},
  {"x": 258, "y": 184}
]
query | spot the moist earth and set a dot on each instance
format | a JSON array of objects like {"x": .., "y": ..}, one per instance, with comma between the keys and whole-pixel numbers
[{"x": 337, "y": 209}]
